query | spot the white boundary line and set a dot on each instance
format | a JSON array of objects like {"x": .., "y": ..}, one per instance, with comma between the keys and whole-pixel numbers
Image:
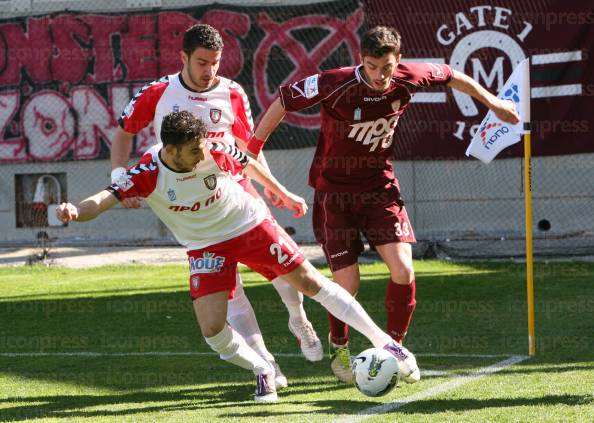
[
  {"x": 435, "y": 390},
  {"x": 197, "y": 353}
]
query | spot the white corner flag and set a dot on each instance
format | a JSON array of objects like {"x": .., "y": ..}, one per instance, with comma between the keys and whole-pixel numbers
[{"x": 494, "y": 135}]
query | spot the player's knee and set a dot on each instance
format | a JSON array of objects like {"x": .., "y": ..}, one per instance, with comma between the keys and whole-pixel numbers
[
  {"x": 222, "y": 342},
  {"x": 403, "y": 274},
  {"x": 210, "y": 329}
]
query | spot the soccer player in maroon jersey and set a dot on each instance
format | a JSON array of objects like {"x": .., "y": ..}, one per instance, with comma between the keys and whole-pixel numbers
[
  {"x": 356, "y": 191},
  {"x": 223, "y": 106},
  {"x": 220, "y": 224}
]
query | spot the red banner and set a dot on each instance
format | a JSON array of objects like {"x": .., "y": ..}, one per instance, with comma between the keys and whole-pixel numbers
[
  {"x": 486, "y": 41},
  {"x": 65, "y": 79}
]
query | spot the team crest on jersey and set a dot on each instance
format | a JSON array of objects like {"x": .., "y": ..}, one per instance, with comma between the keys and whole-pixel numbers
[
  {"x": 396, "y": 105},
  {"x": 215, "y": 115},
  {"x": 211, "y": 182},
  {"x": 176, "y": 108},
  {"x": 357, "y": 114},
  {"x": 171, "y": 195}
]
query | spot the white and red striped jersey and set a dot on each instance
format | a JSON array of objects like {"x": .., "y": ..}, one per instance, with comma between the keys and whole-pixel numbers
[
  {"x": 202, "y": 207},
  {"x": 224, "y": 108}
]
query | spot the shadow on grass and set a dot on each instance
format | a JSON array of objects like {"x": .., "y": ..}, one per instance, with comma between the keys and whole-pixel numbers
[
  {"x": 200, "y": 398},
  {"x": 430, "y": 406}
]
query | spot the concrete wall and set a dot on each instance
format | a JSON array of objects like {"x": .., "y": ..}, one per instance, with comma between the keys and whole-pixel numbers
[{"x": 445, "y": 199}]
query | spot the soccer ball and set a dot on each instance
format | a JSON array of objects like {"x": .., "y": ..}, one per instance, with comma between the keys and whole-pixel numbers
[{"x": 375, "y": 372}]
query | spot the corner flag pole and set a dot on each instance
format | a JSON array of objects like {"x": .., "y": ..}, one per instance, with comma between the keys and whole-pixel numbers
[
  {"x": 529, "y": 255},
  {"x": 524, "y": 85}
]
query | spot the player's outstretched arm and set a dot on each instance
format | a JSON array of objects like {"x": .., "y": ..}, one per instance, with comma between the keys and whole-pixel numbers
[
  {"x": 274, "y": 199},
  {"x": 121, "y": 145},
  {"x": 291, "y": 201},
  {"x": 503, "y": 109},
  {"x": 272, "y": 117},
  {"x": 87, "y": 209}
]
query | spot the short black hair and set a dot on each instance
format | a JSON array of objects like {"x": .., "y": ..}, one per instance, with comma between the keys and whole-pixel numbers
[
  {"x": 179, "y": 128},
  {"x": 379, "y": 41},
  {"x": 202, "y": 36}
]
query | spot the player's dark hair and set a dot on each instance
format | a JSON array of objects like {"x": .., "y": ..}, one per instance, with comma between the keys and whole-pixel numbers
[
  {"x": 379, "y": 41},
  {"x": 179, "y": 128},
  {"x": 202, "y": 35}
]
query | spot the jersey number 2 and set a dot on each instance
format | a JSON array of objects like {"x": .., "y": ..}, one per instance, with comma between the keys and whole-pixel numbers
[{"x": 276, "y": 249}]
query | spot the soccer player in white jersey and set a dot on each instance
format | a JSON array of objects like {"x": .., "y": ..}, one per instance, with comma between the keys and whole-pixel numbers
[
  {"x": 188, "y": 183},
  {"x": 223, "y": 105}
]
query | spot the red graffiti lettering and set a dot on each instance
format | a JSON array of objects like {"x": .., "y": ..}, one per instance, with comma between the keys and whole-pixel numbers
[
  {"x": 70, "y": 59},
  {"x": 48, "y": 125},
  {"x": 139, "y": 48},
  {"x": 27, "y": 47},
  {"x": 92, "y": 127},
  {"x": 232, "y": 25},
  {"x": 306, "y": 63},
  {"x": 10, "y": 149},
  {"x": 172, "y": 26},
  {"x": 105, "y": 67}
]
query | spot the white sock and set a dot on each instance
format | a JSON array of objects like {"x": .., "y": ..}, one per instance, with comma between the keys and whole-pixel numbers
[
  {"x": 242, "y": 318},
  {"x": 346, "y": 308},
  {"x": 232, "y": 347},
  {"x": 292, "y": 299}
]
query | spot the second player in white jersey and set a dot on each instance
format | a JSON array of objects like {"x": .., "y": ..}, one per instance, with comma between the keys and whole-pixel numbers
[{"x": 224, "y": 108}]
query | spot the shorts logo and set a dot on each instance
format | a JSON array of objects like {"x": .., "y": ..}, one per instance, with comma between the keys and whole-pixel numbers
[
  {"x": 342, "y": 253},
  {"x": 211, "y": 182},
  {"x": 215, "y": 115},
  {"x": 195, "y": 281},
  {"x": 208, "y": 263}
]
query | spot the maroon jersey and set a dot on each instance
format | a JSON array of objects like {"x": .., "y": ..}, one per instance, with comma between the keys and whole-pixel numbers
[{"x": 357, "y": 128}]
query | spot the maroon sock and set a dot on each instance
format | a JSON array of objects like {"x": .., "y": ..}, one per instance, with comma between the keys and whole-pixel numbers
[
  {"x": 339, "y": 331},
  {"x": 400, "y": 305}
]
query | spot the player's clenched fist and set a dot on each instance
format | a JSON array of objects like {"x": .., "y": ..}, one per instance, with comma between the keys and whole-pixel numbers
[
  {"x": 66, "y": 212},
  {"x": 506, "y": 111},
  {"x": 294, "y": 203}
]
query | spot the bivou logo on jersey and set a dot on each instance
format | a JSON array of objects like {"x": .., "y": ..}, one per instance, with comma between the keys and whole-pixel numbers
[{"x": 208, "y": 263}]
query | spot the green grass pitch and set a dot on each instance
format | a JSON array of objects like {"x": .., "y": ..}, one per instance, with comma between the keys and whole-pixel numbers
[{"x": 152, "y": 364}]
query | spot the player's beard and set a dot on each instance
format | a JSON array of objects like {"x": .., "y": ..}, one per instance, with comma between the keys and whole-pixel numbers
[
  {"x": 182, "y": 166},
  {"x": 200, "y": 84}
]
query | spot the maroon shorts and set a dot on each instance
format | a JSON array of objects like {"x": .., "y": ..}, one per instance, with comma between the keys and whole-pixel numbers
[
  {"x": 266, "y": 249},
  {"x": 339, "y": 219}
]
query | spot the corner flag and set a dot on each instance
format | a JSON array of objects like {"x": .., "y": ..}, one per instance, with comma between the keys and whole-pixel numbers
[{"x": 494, "y": 135}]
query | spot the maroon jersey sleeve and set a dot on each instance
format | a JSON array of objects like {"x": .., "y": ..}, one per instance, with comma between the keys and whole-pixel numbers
[
  {"x": 311, "y": 90},
  {"x": 140, "y": 111},
  {"x": 139, "y": 180},
  {"x": 243, "y": 125},
  {"x": 228, "y": 158},
  {"x": 424, "y": 75}
]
